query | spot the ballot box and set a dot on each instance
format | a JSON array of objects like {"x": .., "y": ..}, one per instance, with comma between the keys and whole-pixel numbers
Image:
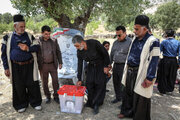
[{"x": 71, "y": 98}]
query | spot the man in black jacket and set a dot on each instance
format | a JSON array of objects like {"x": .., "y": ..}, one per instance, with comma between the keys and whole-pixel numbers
[{"x": 93, "y": 52}]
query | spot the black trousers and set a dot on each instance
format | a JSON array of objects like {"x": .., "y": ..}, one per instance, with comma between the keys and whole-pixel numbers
[
  {"x": 25, "y": 89},
  {"x": 127, "y": 102},
  {"x": 96, "y": 84},
  {"x": 166, "y": 76},
  {"x": 117, "y": 77},
  {"x": 141, "y": 108},
  {"x": 134, "y": 105}
]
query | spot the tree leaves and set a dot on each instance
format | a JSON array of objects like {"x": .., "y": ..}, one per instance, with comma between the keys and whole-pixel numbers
[
  {"x": 77, "y": 12},
  {"x": 168, "y": 16}
]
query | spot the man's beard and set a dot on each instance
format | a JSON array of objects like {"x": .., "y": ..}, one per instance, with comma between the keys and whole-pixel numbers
[{"x": 81, "y": 47}]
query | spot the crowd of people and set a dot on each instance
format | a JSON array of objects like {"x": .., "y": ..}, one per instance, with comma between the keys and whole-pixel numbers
[{"x": 135, "y": 60}]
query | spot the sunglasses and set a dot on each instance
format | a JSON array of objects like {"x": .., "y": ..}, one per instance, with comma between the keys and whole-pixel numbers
[{"x": 117, "y": 36}]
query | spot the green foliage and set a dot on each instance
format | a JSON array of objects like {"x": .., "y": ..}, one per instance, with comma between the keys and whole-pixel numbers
[
  {"x": 117, "y": 12},
  {"x": 39, "y": 18},
  {"x": 0, "y": 17},
  {"x": 3, "y": 27},
  {"x": 54, "y": 8},
  {"x": 50, "y": 22},
  {"x": 153, "y": 21},
  {"x": 91, "y": 27},
  {"x": 131, "y": 26},
  {"x": 10, "y": 26},
  {"x": 35, "y": 26},
  {"x": 6, "y": 18},
  {"x": 32, "y": 23},
  {"x": 168, "y": 16},
  {"x": 123, "y": 12},
  {"x": 7, "y": 25}
]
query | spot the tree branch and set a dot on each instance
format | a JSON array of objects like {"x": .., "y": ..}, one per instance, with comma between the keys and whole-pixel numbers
[{"x": 81, "y": 21}]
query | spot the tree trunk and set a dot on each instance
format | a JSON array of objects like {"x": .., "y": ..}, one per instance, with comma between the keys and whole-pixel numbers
[
  {"x": 80, "y": 23},
  {"x": 64, "y": 21}
]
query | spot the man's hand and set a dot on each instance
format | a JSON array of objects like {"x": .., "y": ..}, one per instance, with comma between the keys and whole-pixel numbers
[
  {"x": 110, "y": 67},
  {"x": 7, "y": 72},
  {"x": 106, "y": 70},
  {"x": 146, "y": 83},
  {"x": 109, "y": 75},
  {"x": 60, "y": 66},
  {"x": 23, "y": 47},
  {"x": 78, "y": 83}
]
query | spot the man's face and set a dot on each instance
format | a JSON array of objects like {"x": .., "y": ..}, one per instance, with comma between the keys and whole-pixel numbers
[
  {"x": 107, "y": 47},
  {"x": 20, "y": 27},
  {"x": 139, "y": 30},
  {"x": 79, "y": 46},
  {"x": 121, "y": 35},
  {"x": 46, "y": 35}
]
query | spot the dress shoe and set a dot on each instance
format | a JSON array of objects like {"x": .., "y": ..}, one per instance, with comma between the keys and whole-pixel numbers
[
  {"x": 96, "y": 109},
  {"x": 87, "y": 105},
  {"x": 115, "y": 101},
  {"x": 21, "y": 110},
  {"x": 56, "y": 100},
  {"x": 48, "y": 100},
  {"x": 162, "y": 93},
  {"x": 38, "y": 108}
]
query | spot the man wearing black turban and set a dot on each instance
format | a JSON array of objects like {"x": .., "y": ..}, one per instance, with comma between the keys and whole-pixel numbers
[{"x": 140, "y": 72}]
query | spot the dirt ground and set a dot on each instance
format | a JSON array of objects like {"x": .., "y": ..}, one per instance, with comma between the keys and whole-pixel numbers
[{"x": 163, "y": 107}]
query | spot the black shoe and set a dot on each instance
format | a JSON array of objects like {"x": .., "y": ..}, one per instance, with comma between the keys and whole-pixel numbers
[
  {"x": 162, "y": 93},
  {"x": 56, "y": 100},
  {"x": 48, "y": 100},
  {"x": 96, "y": 109},
  {"x": 87, "y": 105},
  {"x": 115, "y": 101}
]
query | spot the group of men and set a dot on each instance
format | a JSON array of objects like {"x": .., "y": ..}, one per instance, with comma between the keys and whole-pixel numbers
[
  {"x": 134, "y": 69},
  {"x": 22, "y": 56},
  {"x": 135, "y": 63}
]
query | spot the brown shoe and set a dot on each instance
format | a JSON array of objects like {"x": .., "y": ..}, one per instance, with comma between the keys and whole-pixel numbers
[{"x": 121, "y": 116}]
